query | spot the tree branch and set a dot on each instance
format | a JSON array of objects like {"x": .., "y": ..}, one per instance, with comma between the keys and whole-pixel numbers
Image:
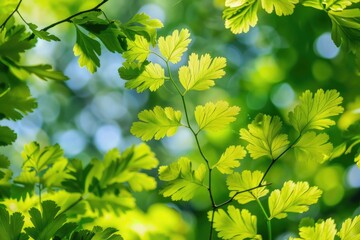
[{"x": 8, "y": 18}]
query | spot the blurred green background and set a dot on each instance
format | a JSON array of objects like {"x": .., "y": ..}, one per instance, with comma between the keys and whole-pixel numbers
[{"x": 267, "y": 69}]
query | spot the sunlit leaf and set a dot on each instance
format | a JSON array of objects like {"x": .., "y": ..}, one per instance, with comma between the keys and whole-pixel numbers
[
  {"x": 46, "y": 222},
  {"x": 282, "y": 7},
  {"x": 156, "y": 123},
  {"x": 338, "y": 5},
  {"x": 132, "y": 70},
  {"x": 182, "y": 180},
  {"x": 313, "y": 3},
  {"x": 324, "y": 230},
  {"x": 357, "y": 160},
  {"x": 350, "y": 229},
  {"x": 293, "y": 197},
  {"x": 44, "y": 71},
  {"x": 75, "y": 181},
  {"x": 11, "y": 226},
  {"x": 138, "y": 50},
  {"x": 239, "y": 182},
  {"x": 215, "y": 116},
  {"x": 264, "y": 137},
  {"x": 242, "y": 16},
  {"x": 88, "y": 51},
  {"x": 7, "y": 136},
  {"x": 172, "y": 47},
  {"x": 235, "y": 224},
  {"x": 313, "y": 147},
  {"x": 151, "y": 78},
  {"x": 314, "y": 111},
  {"x": 200, "y": 73},
  {"x": 42, "y": 34},
  {"x": 230, "y": 159}
]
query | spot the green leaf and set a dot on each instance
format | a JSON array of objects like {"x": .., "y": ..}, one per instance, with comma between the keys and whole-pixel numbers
[
  {"x": 242, "y": 16},
  {"x": 17, "y": 102},
  {"x": 77, "y": 177},
  {"x": 7, "y": 136},
  {"x": 138, "y": 50},
  {"x": 313, "y": 147},
  {"x": 235, "y": 224},
  {"x": 142, "y": 24},
  {"x": 230, "y": 159},
  {"x": 324, "y": 230},
  {"x": 264, "y": 137},
  {"x": 151, "y": 78},
  {"x": 106, "y": 234},
  {"x": 173, "y": 47},
  {"x": 293, "y": 197},
  {"x": 44, "y": 72},
  {"x": 56, "y": 173},
  {"x": 314, "y": 111},
  {"x": 357, "y": 160},
  {"x": 88, "y": 51},
  {"x": 42, "y": 34},
  {"x": 156, "y": 123},
  {"x": 132, "y": 70},
  {"x": 11, "y": 226},
  {"x": 239, "y": 182},
  {"x": 182, "y": 181},
  {"x": 338, "y": 5},
  {"x": 215, "y": 116},
  {"x": 45, "y": 223},
  {"x": 317, "y": 4},
  {"x": 350, "y": 229},
  {"x": 282, "y": 7},
  {"x": 200, "y": 74},
  {"x": 39, "y": 159}
]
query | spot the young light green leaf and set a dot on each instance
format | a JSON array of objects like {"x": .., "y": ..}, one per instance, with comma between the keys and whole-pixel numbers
[
  {"x": 313, "y": 3},
  {"x": 45, "y": 71},
  {"x": 88, "y": 50},
  {"x": 156, "y": 123},
  {"x": 7, "y": 136},
  {"x": 215, "y": 116},
  {"x": 234, "y": 3},
  {"x": 138, "y": 50},
  {"x": 42, "y": 34},
  {"x": 264, "y": 137},
  {"x": 230, "y": 159},
  {"x": 182, "y": 181},
  {"x": 239, "y": 182},
  {"x": 242, "y": 16},
  {"x": 282, "y": 7},
  {"x": 172, "y": 47},
  {"x": 151, "y": 78},
  {"x": 338, "y": 5},
  {"x": 357, "y": 160},
  {"x": 200, "y": 74},
  {"x": 39, "y": 159},
  {"x": 47, "y": 222},
  {"x": 11, "y": 226},
  {"x": 293, "y": 197},
  {"x": 132, "y": 70},
  {"x": 314, "y": 111},
  {"x": 235, "y": 224},
  {"x": 313, "y": 147},
  {"x": 324, "y": 230},
  {"x": 350, "y": 229}
]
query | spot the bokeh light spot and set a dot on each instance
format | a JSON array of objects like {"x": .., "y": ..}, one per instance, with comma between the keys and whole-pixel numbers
[
  {"x": 353, "y": 176},
  {"x": 107, "y": 137},
  {"x": 72, "y": 141},
  {"x": 283, "y": 96},
  {"x": 325, "y": 47}
]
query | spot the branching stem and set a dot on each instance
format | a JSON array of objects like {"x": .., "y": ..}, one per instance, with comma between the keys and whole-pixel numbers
[
  {"x": 72, "y": 205},
  {"x": 11, "y": 14}
]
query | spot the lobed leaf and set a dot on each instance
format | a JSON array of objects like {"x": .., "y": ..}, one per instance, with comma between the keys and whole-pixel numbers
[
  {"x": 151, "y": 78},
  {"x": 281, "y": 7},
  {"x": 317, "y": 4},
  {"x": 215, "y": 116},
  {"x": 235, "y": 224},
  {"x": 44, "y": 35},
  {"x": 44, "y": 71},
  {"x": 264, "y": 138},
  {"x": 240, "y": 182},
  {"x": 88, "y": 51},
  {"x": 230, "y": 159},
  {"x": 11, "y": 226},
  {"x": 156, "y": 123},
  {"x": 200, "y": 74},
  {"x": 313, "y": 147},
  {"x": 182, "y": 181},
  {"x": 241, "y": 15},
  {"x": 138, "y": 50},
  {"x": 324, "y": 230},
  {"x": 293, "y": 197},
  {"x": 314, "y": 111},
  {"x": 7, "y": 136},
  {"x": 338, "y": 5},
  {"x": 350, "y": 229},
  {"x": 173, "y": 47}
]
